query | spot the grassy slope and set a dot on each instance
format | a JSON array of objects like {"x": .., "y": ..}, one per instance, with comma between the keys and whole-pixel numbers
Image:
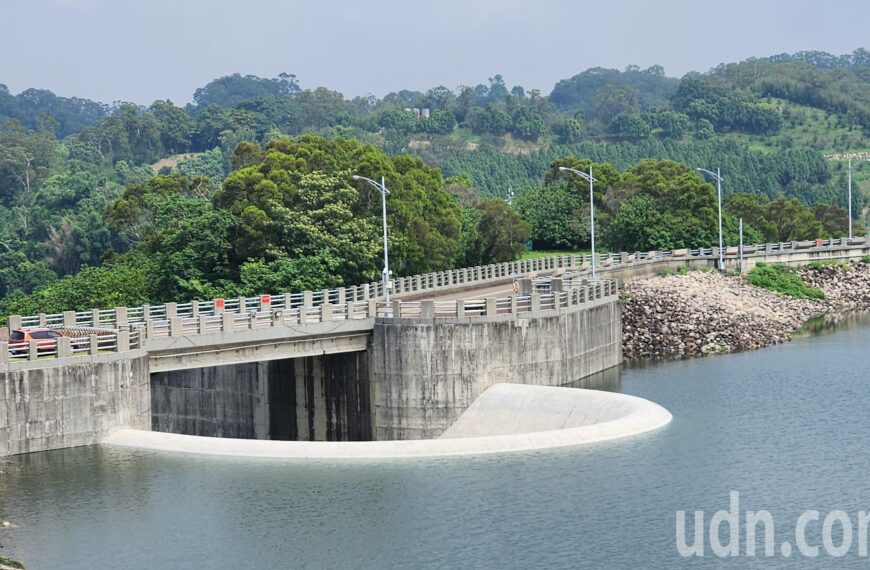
[{"x": 807, "y": 127}]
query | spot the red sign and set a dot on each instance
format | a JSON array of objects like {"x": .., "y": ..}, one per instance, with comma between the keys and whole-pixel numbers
[
  {"x": 265, "y": 299},
  {"x": 218, "y": 303}
]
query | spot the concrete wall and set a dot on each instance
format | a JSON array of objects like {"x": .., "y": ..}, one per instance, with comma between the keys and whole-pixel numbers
[
  {"x": 426, "y": 372},
  {"x": 322, "y": 398},
  {"x": 73, "y": 402},
  {"x": 218, "y": 401}
]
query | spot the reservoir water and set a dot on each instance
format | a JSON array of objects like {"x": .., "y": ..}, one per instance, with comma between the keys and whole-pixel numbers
[{"x": 787, "y": 427}]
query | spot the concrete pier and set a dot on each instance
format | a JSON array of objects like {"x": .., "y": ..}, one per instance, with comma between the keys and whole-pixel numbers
[
  {"x": 426, "y": 372},
  {"x": 74, "y": 403}
]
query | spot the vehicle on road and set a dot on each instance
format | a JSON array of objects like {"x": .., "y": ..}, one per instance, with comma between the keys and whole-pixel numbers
[{"x": 46, "y": 340}]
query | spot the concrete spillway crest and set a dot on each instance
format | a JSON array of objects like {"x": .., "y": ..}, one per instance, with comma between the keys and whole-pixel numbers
[{"x": 505, "y": 418}]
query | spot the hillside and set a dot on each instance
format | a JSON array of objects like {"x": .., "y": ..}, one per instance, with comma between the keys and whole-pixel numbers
[{"x": 84, "y": 191}]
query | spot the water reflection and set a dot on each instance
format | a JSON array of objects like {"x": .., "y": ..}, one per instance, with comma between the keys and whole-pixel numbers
[
  {"x": 824, "y": 324},
  {"x": 609, "y": 380}
]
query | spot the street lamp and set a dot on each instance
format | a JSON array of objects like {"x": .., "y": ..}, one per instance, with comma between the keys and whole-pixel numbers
[
  {"x": 850, "y": 198},
  {"x": 718, "y": 178},
  {"x": 382, "y": 188},
  {"x": 590, "y": 179}
]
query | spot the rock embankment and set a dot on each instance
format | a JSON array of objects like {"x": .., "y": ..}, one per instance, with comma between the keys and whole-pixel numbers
[{"x": 703, "y": 313}]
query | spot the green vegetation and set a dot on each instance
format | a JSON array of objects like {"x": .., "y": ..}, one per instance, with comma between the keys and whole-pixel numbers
[
  {"x": 252, "y": 185},
  {"x": 11, "y": 563},
  {"x": 289, "y": 217},
  {"x": 781, "y": 279},
  {"x": 828, "y": 263},
  {"x": 552, "y": 252}
]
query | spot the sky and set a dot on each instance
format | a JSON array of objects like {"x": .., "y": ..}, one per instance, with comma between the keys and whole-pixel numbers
[{"x": 120, "y": 50}]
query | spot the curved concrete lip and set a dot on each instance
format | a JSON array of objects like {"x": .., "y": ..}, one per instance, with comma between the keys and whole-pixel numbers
[{"x": 506, "y": 418}]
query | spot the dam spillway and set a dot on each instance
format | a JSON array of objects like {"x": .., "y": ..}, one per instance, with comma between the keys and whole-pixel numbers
[{"x": 505, "y": 418}]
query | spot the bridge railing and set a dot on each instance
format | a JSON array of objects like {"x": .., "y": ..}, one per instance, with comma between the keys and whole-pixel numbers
[
  {"x": 122, "y": 317},
  {"x": 12, "y": 351},
  {"x": 543, "y": 299},
  {"x": 91, "y": 341}
]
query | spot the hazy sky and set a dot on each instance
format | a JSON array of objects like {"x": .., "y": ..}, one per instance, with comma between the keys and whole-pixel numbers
[{"x": 140, "y": 51}]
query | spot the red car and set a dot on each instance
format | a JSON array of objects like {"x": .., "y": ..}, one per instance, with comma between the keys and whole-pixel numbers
[{"x": 46, "y": 340}]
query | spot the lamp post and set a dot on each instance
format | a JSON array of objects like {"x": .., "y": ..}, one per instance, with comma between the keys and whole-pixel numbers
[
  {"x": 590, "y": 179},
  {"x": 382, "y": 188},
  {"x": 850, "y": 198},
  {"x": 718, "y": 178}
]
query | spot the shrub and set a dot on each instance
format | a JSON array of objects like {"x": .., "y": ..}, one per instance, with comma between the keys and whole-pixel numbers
[
  {"x": 825, "y": 262},
  {"x": 781, "y": 279}
]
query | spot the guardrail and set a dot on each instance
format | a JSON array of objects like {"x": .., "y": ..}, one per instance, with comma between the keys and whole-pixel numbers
[
  {"x": 13, "y": 351},
  {"x": 549, "y": 294},
  {"x": 542, "y": 300},
  {"x": 359, "y": 295}
]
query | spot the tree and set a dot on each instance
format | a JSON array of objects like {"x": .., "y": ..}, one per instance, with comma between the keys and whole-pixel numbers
[
  {"x": 230, "y": 90},
  {"x": 490, "y": 120},
  {"x": 209, "y": 164},
  {"x": 527, "y": 124},
  {"x": 611, "y": 101},
  {"x": 558, "y": 217},
  {"x": 176, "y": 126},
  {"x": 664, "y": 205},
  {"x": 835, "y": 221},
  {"x": 298, "y": 202},
  {"x": 752, "y": 209},
  {"x": 311, "y": 273},
  {"x": 570, "y": 131},
  {"x": 639, "y": 226},
  {"x": 112, "y": 285},
  {"x": 673, "y": 125},
  {"x": 26, "y": 159},
  {"x": 19, "y": 275},
  {"x": 791, "y": 220},
  {"x": 502, "y": 232},
  {"x": 398, "y": 120},
  {"x": 629, "y": 126}
]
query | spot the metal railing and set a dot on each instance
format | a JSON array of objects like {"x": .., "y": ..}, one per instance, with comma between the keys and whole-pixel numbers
[
  {"x": 12, "y": 351},
  {"x": 573, "y": 289},
  {"x": 351, "y": 300}
]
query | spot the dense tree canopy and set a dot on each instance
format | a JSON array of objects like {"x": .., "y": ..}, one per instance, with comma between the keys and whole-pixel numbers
[{"x": 238, "y": 206}]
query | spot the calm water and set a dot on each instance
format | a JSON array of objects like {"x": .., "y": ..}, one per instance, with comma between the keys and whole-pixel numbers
[{"x": 787, "y": 427}]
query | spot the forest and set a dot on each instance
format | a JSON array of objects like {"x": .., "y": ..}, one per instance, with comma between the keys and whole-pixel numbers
[{"x": 248, "y": 187}]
